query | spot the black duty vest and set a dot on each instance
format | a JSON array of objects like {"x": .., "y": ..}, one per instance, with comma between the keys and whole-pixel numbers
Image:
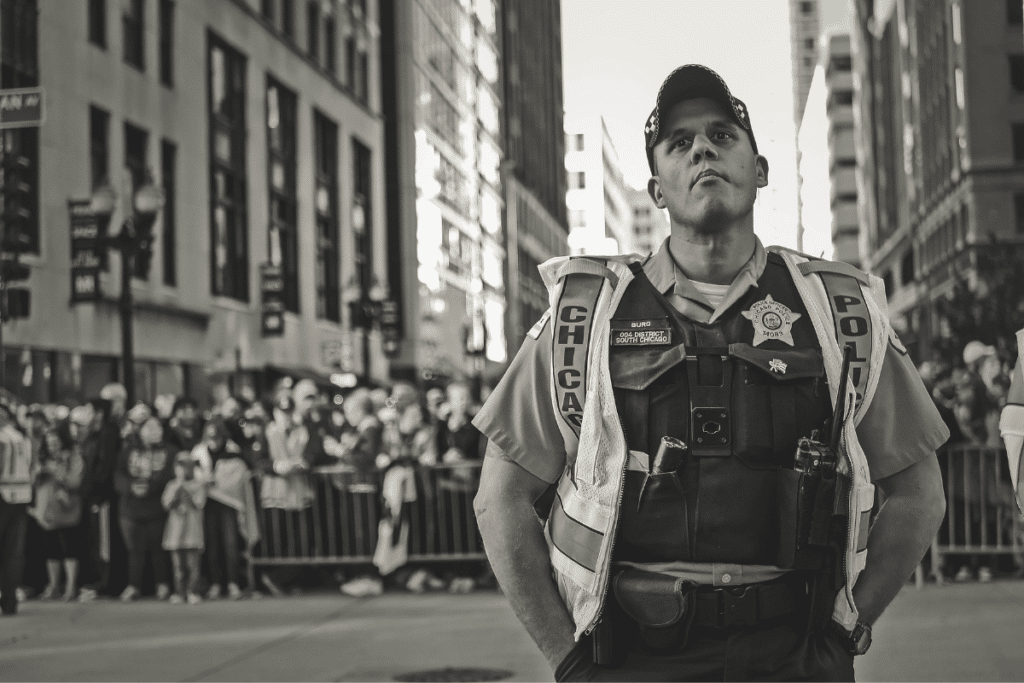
[{"x": 740, "y": 409}]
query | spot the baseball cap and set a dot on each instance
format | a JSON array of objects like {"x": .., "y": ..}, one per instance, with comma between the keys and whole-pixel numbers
[{"x": 686, "y": 83}]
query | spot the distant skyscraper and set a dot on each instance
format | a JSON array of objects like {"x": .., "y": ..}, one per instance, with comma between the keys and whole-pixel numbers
[
  {"x": 441, "y": 65},
  {"x": 600, "y": 218},
  {"x": 803, "y": 35},
  {"x": 650, "y": 224},
  {"x": 534, "y": 178}
]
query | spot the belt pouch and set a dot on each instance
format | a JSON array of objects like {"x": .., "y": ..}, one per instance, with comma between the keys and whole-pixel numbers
[
  {"x": 662, "y": 606},
  {"x": 796, "y": 494}
]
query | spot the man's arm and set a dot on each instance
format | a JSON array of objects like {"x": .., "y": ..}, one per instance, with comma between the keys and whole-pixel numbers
[
  {"x": 514, "y": 540},
  {"x": 904, "y": 528}
]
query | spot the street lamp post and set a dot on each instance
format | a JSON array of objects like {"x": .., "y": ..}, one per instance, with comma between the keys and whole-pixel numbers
[{"x": 134, "y": 240}]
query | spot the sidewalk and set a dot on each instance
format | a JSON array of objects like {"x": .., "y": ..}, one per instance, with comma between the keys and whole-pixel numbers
[{"x": 955, "y": 632}]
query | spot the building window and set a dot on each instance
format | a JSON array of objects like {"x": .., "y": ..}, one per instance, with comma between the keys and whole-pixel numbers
[
  {"x": 362, "y": 216},
  {"x": 98, "y": 23},
  {"x": 577, "y": 180},
  {"x": 842, "y": 63},
  {"x": 267, "y": 9},
  {"x": 134, "y": 32},
  {"x": 325, "y": 152},
  {"x": 358, "y": 67},
  {"x": 1017, "y": 72},
  {"x": 1014, "y": 12},
  {"x": 99, "y": 146},
  {"x": 229, "y": 249},
  {"x": 313, "y": 29},
  {"x": 809, "y": 43},
  {"x": 288, "y": 18},
  {"x": 576, "y": 144},
  {"x": 1018, "y": 209},
  {"x": 806, "y": 7},
  {"x": 1018, "y": 141},
  {"x": 907, "y": 267},
  {"x": 136, "y": 143},
  {"x": 842, "y": 97},
  {"x": 281, "y": 180},
  {"x": 168, "y": 176},
  {"x": 330, "y": 47},
  {"x": 167, "y": 42}
]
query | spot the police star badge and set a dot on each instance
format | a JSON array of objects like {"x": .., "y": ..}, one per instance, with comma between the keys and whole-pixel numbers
[{"x": 771, "y": 320}]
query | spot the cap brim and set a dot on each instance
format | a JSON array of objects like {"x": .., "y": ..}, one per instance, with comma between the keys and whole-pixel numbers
[{"x": 690, "y": 82}]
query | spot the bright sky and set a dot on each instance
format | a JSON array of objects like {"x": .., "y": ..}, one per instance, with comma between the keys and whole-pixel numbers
[{"x": 616, "y": 53}]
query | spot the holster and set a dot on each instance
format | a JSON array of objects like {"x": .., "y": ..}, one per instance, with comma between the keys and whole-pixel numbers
[{"x": 662, "y": 607}]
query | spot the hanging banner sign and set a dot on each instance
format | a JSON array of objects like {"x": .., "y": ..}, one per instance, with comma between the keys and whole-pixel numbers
[
  {"x": 272, "y": 292},
  {"x": 88, "y": 245}
]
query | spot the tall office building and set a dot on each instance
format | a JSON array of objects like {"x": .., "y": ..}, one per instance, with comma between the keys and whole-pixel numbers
[
  {"x": 804, "y": 31},
  {"x": 600, "y": 218},
  {"x": 261, "y": 122},
  {"x": 940, "y": 146},
  {"x": 650, "y": 224},
  {"x": 822, "y": 100},
  {"x": 534, "y": 178},
  {"x": 442, "y": 100}
]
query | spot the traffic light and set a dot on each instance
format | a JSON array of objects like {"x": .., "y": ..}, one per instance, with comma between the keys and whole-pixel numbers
[
  {"x": 19, "y": 204},
  {"x": 12, "y": 270}
]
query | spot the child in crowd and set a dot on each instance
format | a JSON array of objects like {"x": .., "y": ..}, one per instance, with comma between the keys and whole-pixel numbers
[
  {"x": 144, "y": 468},
  {"x": 184, "y": 499},
  {"x": 58, "y": 507}
]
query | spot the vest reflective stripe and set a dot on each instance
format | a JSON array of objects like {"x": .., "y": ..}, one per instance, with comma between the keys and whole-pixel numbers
[
  {"x": 834, "y": 267},
  {"x": 576, "y": 540},
  {"x": 573, "y": 322},
  {"x": 852, "y": 324}
]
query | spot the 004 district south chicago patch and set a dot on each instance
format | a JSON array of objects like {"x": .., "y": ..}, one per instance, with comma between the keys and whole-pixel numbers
[{"x": 645, "y": 332}]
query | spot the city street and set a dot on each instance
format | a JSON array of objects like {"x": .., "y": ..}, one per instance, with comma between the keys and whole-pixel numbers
[{"x": 956, "y": 632}]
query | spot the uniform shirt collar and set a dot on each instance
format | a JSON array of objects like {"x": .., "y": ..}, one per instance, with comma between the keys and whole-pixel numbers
[{"x": 668, "y": 279}]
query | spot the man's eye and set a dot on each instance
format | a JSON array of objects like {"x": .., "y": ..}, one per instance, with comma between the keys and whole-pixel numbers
[
  {"x": 722, "y": 135},
  {"x": 681, "y": 142}
]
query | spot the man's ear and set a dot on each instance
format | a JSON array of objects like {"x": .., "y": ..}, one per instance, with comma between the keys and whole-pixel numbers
[
  {"x": 762, "y": 170},
  {"x": 654, "y": 189}
]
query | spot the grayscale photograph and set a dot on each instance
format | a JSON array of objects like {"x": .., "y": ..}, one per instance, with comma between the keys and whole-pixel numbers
[{"x": 511, "y": 340}]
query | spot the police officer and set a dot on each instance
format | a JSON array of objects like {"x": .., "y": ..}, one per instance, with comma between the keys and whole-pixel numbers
[
  {"x": 1011, "y": 424},
  {"x": 16, "y": 473},
  {"x": 712, "y": 421}
]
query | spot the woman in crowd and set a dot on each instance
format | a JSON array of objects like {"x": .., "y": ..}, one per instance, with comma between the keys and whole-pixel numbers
[
  {"x": 145, "y": 467},
  {"x": 58, "y": 508}
]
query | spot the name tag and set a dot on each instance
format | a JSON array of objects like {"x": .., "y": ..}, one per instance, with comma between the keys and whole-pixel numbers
[{"x": 646, "y": 332}]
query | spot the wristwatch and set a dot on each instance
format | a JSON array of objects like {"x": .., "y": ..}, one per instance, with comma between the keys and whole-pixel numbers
[{"x": 856, "y": 641}]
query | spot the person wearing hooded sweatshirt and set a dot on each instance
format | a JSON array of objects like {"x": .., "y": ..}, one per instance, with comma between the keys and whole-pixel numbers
[
  {"x": 230, "y": 510},
  {"x": 143, "y": 470}
]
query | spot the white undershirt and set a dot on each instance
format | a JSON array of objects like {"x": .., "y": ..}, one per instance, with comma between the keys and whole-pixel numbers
[{"x": 713, "y": 293}]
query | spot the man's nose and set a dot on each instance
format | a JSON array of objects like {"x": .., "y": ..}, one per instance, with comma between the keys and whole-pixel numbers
[{"x": 702, "y": 148}]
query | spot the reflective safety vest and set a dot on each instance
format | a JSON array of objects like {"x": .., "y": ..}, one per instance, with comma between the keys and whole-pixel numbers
[
  {"x": 847, "y": 308},
  {"x": 1011, "y": 425},
  {"x": 15, "y": 467}
]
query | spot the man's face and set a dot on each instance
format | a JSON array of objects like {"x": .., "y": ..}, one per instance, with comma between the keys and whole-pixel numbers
[{"x": 707, "y": 174}]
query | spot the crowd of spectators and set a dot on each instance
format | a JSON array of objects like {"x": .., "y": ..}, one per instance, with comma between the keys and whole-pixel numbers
[
  {"x": 167, "y": 499},
  {"x": 970, "y": 399}
]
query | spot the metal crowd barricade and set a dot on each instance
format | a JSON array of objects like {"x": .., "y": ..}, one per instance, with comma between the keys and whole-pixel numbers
[
  {"x": 340, "y": 525},
  {"x": 981, "y": 515}
]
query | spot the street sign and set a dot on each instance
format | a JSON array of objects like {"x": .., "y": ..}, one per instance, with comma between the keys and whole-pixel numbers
[
  {"x": 88, "y": 242},
  {"x": 272, "y": 297},
  {"x": 22, "y": 108}
]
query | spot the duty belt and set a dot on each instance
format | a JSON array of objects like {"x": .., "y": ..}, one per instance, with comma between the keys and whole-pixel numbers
[{"x": 747, "y": 605}]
